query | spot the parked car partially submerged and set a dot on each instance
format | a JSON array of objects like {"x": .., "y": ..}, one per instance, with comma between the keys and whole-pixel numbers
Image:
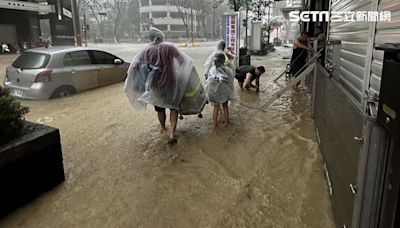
[{"x": 45, "y": 73}]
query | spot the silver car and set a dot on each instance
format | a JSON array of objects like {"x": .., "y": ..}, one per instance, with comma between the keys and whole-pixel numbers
[{"x": 45, "y": 73}]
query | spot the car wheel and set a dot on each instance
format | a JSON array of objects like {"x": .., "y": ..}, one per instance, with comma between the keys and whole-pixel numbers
[{"x": 63, "y": 91}]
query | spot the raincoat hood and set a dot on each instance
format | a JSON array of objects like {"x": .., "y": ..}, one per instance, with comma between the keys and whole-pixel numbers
[
  {"x": 155, "y": 36},
  {"x": 221, "y": 45},
  {"x": 210, "y": 60}
]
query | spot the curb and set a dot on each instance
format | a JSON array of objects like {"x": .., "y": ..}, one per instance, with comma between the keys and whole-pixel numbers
[{"x": 187, "y": 45}]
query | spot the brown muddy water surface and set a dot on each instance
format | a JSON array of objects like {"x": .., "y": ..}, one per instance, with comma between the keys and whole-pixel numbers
[{"x": 263, "y": 170}]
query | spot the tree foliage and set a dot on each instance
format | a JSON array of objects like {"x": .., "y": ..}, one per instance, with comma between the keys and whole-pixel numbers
[
  {"x": 126, "y": 19},
  {"x": 116, "y": 11},
  {"x": 205, "y": 8},
  {"x": 11, "y": 115},
  {"x": 238, "y": 4},
  {"x": 275, "y": 23},
  {"x": 182, "y": 6},
  {"x": 94, "y": 7},
  {"x": 187, "y": 9},
  {"x": 131, "y": 20},
  {"x": 104, "y": 10}
]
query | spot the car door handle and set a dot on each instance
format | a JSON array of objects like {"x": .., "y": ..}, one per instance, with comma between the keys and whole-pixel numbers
[
  {"x": 73, "y": 72},
  {"x": 99, "y": 68}
]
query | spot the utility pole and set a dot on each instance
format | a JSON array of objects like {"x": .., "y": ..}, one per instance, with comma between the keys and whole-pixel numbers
[
  {"x": 269, "y": 21},
  {"x": 247, "y": 22},
  {"x": 75, "y": 22},
  {"x": 213, "y": 27},
  {"x": 191, "y": 19},
  {"x": 85, "y": 26}
]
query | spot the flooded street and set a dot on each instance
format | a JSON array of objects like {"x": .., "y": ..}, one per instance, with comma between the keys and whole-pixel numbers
[{"x": 262, "y": 170}]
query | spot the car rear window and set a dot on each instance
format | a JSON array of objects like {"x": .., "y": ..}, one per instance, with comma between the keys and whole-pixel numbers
[{"x": 31, "y": 60}]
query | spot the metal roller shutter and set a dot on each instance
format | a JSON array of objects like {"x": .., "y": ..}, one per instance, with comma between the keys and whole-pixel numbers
[
  {"x": 8, "y": 33},
  {"x": 386, "y": 32},
  {"x": 354, "y": 37}
]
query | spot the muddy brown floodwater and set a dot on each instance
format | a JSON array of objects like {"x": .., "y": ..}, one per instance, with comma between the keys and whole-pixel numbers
[{"x": 263, "y": 170}]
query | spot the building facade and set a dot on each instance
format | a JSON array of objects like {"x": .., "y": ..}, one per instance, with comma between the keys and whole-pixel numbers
[
  {"x": 166, "y": 16},
  {"x": 356, "y": 106},
  {"x": 35, "y": 22}
]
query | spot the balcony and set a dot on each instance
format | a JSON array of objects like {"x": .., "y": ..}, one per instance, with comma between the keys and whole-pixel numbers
[{"x": 158, "y": 8}]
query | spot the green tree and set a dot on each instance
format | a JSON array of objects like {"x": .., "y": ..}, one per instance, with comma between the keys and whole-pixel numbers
[
  {"x": 205, "y": 8},
  {"x": 182, "y": 6},
  {"x": 237, "y": 4},
  {"x": 274, "y": 24},
  {"x": 11, "y": 115},
  {"x": 131, "y": 21},
  {"x": 98, "y": 10},
  {"x": 116, "y": 11}
]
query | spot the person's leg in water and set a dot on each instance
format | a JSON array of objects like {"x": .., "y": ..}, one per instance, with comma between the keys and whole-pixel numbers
[
  {"x": 240, "y": 85},
  {"x": 226, "y": 112},
  {"x": 298, "y": 73},
  {"x": 161, "y": 118},
  {"x": 298, "y": 68},
  {"x": 296, "y": 87},
  {"x": 215, "y": 114},
  {"x": 173, "y": 118},
  {"x": 220, "y": 114}
]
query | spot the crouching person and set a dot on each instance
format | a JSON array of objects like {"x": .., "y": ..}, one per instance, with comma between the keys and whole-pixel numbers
[{"x": 247, "y": 74}]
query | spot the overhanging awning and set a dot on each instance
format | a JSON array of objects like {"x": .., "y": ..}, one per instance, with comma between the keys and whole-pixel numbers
[{"x": 28, "y": 6}]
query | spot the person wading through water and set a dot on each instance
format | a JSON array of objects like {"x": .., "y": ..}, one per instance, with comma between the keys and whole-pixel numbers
[
  {"x": 158, "y": 75},
  {"x": 299, "y": 57}
]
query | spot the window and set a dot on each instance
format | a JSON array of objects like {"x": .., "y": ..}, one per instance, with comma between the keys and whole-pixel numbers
[
  {"x": 159, "y": 2},
  {"x": 103, "y": 58},
  {"x": 162, "y": 27},
  {"x": 30, "y": 60},
  {"x": 78, "y": 58},
  {"x": 145, "y": 2},
  {"x": 68, "y": 60},
  {"x": 178, "y": 28},
  {"x": 159, "y": 14},
  {"x": 144, "y": 16},
  {"x": 174, "y": 15}
]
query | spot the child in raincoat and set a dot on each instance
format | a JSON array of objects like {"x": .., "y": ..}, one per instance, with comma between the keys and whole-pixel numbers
[
  {"x": 220, "y": 87},
  {"x": 158, "y": 75},
  {"x": 221, "y": 48}
]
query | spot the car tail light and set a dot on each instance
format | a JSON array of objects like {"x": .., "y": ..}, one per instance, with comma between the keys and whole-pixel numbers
[{"x": 44, "y": 76}]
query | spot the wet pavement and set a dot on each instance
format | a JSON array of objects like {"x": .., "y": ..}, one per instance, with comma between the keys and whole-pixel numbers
[{"x": 262, "y": 170}]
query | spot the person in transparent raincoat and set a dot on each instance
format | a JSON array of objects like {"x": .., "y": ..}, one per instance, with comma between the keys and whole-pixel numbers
[
  {"x": 221, "y": 47},
  {"x": 158, "y": 75},
  {"x": 220, "y": 86}
]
